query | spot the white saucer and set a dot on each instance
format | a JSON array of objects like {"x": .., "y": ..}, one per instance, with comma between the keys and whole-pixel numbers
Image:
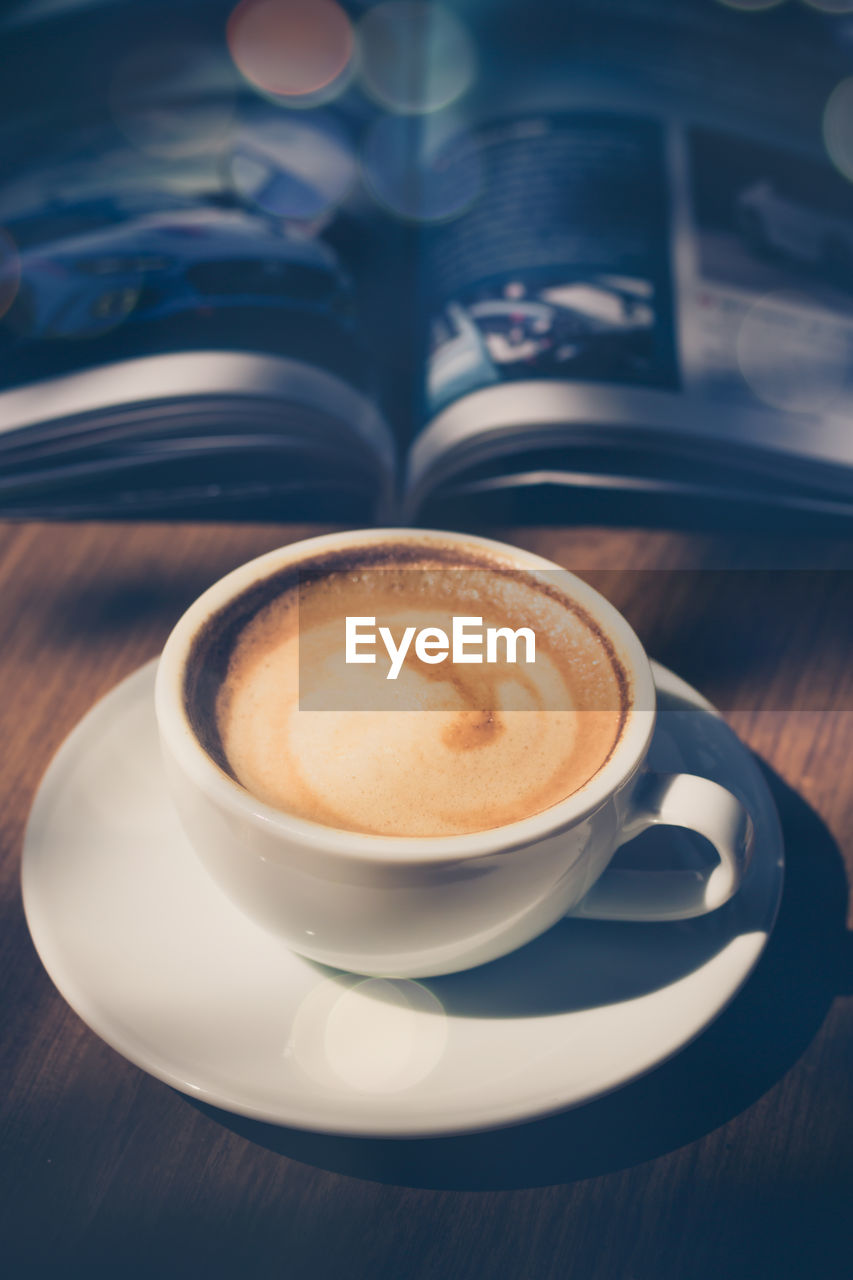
[{"x": 151, "y": 954}]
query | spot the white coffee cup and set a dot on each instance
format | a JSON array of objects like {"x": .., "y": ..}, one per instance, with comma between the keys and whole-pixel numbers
[{"x": 413, "y": 906}]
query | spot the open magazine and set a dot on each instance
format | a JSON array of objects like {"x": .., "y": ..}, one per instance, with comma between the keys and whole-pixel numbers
[{"x": 599, "y": 260}]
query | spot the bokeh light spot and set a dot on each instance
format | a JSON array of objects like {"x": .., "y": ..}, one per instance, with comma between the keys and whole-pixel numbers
[
  {"x": 418, "y": 178},
  {"x": 368, "y": 1035},
  {"x": 377, "y": 1039},
  {"x": 10, "y": 272},
  {"x": 415, "y": 57},
  {"x": 791, "y": 355},
  {"x": 290, "y": 47},
  {"x": 838, "y": 127}
]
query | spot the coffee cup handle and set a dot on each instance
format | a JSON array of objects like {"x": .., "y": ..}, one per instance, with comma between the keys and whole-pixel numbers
[{"x": 675, "y": 800}]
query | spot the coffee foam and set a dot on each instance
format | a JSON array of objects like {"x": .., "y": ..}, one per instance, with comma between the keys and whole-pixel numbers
[{"x": 445, "y": 749}]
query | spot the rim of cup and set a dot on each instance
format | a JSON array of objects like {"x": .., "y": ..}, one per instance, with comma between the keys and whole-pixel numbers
[{"x": 224, "y": 790}]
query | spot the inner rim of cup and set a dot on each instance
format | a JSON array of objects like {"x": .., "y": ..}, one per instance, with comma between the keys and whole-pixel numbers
[{"x": 196, "y": 657}]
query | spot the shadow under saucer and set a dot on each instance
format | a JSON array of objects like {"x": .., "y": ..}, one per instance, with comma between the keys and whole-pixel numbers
[{"x": 755, "y": 1041}]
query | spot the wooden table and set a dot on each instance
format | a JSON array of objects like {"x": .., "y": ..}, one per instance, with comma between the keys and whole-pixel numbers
[{"x": 735, "y": 1159}]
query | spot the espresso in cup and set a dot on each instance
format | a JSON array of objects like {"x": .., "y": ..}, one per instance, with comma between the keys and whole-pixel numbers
[
  {"x": 421, "y": 820},
  {"x": 410, "y": 743}
]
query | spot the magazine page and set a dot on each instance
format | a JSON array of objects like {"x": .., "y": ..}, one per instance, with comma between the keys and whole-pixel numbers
[
  {"x": 191, "y": 313},
  {"x": 651, "y": 283}
]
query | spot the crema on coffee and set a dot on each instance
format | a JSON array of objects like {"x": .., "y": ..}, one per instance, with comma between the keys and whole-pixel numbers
[{"x": 444, "y": 749}]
